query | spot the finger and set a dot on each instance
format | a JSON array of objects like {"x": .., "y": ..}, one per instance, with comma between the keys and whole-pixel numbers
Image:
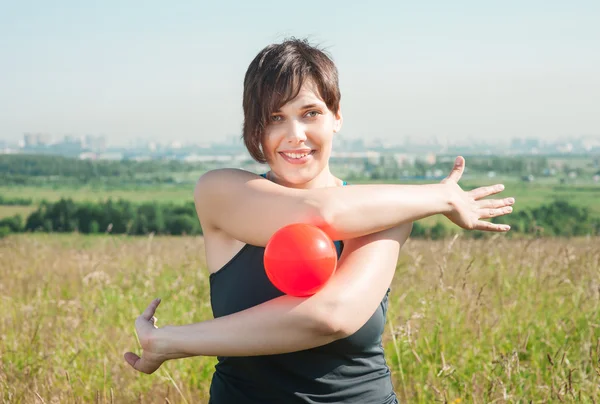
[
  {"x": 151, "y": 309},
  {"x": 457, "y": 170},
  {"x": 140, "y": 364},
  {"x": 489, "y": 213},
  {"x": 482, "y": 192},
  {"x": 495, "y": 203},
  {"x": 131, "y": 358},
  {"x": 488, "y": 226}
]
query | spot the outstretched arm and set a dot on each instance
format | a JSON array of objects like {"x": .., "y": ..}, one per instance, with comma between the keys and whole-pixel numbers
[
  {"x": 287, "y": 323},
  {"x": 251, "y": 209}
]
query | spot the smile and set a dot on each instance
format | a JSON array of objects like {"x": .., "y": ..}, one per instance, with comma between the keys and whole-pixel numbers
[{"x": 297, "y": 157}]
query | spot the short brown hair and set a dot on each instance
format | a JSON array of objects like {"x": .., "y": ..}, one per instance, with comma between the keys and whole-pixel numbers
[{"x": 275, "y": 76}]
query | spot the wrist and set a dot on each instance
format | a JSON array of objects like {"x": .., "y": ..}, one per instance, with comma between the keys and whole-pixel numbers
[
  {"x": 447, "y": 198},
  {"x": 166, "y": 341}
]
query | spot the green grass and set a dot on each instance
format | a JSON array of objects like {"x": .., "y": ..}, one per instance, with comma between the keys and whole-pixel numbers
[
  {"x": 24, "y": 211},
  {"x": 528, "y": 195},
  {"x": 163, "y": 193},
  {"x": 482, "y": 321},
  {"x": 534, "y": 194}
]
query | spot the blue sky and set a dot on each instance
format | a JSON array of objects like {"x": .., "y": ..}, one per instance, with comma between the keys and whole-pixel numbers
[{"x": 166, "y": 71}]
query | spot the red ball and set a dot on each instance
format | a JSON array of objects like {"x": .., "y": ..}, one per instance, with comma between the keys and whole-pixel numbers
[{"x": 299, "y": 259}]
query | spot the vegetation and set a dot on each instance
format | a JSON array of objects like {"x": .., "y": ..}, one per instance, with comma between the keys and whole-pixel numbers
[
  {"x": 15, "y": 201},
  {"x": 122, "y": 217},
  {"x": 57, "y": 166},
  {"x": 42, "y": 170},
  {"x": 117, "y": 217},
  {"x": 493, "y": 320},
  {"x": 473, "y": 316}
]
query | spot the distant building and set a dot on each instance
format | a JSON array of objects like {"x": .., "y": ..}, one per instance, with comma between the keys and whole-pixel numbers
[
  {"x": 94, "y": 143},
  {"x": 195, "y": 158},
  {"x": 525, "y": 145},
  {"x": 73, "y": 141},
  {"x": 36, "y": 139}
]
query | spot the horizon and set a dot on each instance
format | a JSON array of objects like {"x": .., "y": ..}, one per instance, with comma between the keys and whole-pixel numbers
[{"x": 427, "y": 70}]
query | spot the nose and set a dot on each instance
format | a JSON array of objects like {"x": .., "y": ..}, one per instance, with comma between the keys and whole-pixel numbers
[{"x": 296, "y": 132}]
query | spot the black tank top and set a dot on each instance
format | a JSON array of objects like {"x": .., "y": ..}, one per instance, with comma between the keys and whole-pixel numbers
[{"x": 349, "y": 370}]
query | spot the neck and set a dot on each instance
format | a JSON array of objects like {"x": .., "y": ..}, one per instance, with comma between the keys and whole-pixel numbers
[{"x": 324, "y": 180}]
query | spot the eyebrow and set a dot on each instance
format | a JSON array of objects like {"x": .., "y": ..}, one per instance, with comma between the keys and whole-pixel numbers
[
  {"x": 307, "y": 106},
  {"x": 311, "y": 106}
]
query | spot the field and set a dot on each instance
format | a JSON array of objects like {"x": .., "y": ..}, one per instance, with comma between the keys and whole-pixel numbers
[
  {"x": 528, "y": 195},
  {"x": 477, "y": 321}
]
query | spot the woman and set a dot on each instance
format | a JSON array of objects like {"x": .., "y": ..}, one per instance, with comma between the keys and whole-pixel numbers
[{"x": 274, "y": 348}]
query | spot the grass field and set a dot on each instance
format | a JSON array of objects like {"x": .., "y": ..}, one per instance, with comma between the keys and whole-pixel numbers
[
  {"x": 482, "y": 321},
  {"x": 163, "y": 193},
  {"x": 24, "y": 211},
  {"x": 528, "y": 195}
]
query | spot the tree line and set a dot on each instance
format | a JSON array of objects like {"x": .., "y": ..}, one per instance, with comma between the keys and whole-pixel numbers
[
  {"x": 558, "y": 218},
  {"x": 116, "y": 217},
  {"x": 20, "y": 169},
  {"x": 387, "y": 168},
  {"x": 4, "y": 201}
]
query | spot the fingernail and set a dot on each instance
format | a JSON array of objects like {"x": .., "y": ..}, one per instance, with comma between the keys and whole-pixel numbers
[{"x": 511, "y": 200}]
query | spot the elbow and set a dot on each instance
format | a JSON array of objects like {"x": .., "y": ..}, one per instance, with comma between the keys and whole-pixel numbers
[
  {"x": 331, "y": 321},
  {"x": 322, "y": 214},
  {"x": 340, "y": 327}
]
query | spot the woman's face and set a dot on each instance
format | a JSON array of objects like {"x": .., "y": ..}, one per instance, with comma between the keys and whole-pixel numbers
[{"x": 297, "y": 141}]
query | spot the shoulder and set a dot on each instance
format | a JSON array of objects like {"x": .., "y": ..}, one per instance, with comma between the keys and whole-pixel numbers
[
  {"x": 222, "y": 179},
  {"x": 225, "y": 174}
]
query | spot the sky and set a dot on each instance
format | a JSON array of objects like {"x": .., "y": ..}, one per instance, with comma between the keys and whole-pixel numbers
[{"x": 164, "y": 71}]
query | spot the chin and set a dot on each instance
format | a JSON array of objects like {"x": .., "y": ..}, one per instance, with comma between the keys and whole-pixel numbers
[{"x": 298, "y": 177}]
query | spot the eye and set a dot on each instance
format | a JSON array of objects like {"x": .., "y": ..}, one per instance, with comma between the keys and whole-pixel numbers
[
  {"x": 276, "y": 118},
  {"x": 313, "y": 114}
]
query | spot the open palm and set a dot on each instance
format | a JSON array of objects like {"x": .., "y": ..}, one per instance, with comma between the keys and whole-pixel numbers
[{"x": 469, "y": 207}]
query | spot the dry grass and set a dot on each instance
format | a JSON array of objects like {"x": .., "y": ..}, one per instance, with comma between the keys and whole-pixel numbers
[{"x": 482, "y": 321}]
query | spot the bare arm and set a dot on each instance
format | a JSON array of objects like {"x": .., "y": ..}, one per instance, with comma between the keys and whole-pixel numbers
[
  {"x": 288, "y": 324},
  {"x": 250, "y": 209}
]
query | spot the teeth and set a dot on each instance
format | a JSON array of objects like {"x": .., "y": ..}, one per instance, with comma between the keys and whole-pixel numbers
[{"x": 296, "y": 155}]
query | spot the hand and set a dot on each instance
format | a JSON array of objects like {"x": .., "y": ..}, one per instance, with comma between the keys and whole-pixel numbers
[
  {"x": 468, "y": 208},
  {"x": 152, "y": 354}
]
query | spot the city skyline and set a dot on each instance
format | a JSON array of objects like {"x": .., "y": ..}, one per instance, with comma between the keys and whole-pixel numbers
[
  {"x": 44, "y": 143},
  {"x": 432, "y": 69}
]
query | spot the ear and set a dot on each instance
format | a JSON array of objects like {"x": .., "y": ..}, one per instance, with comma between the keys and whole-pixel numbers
[{"x": 338, "y": 120}]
